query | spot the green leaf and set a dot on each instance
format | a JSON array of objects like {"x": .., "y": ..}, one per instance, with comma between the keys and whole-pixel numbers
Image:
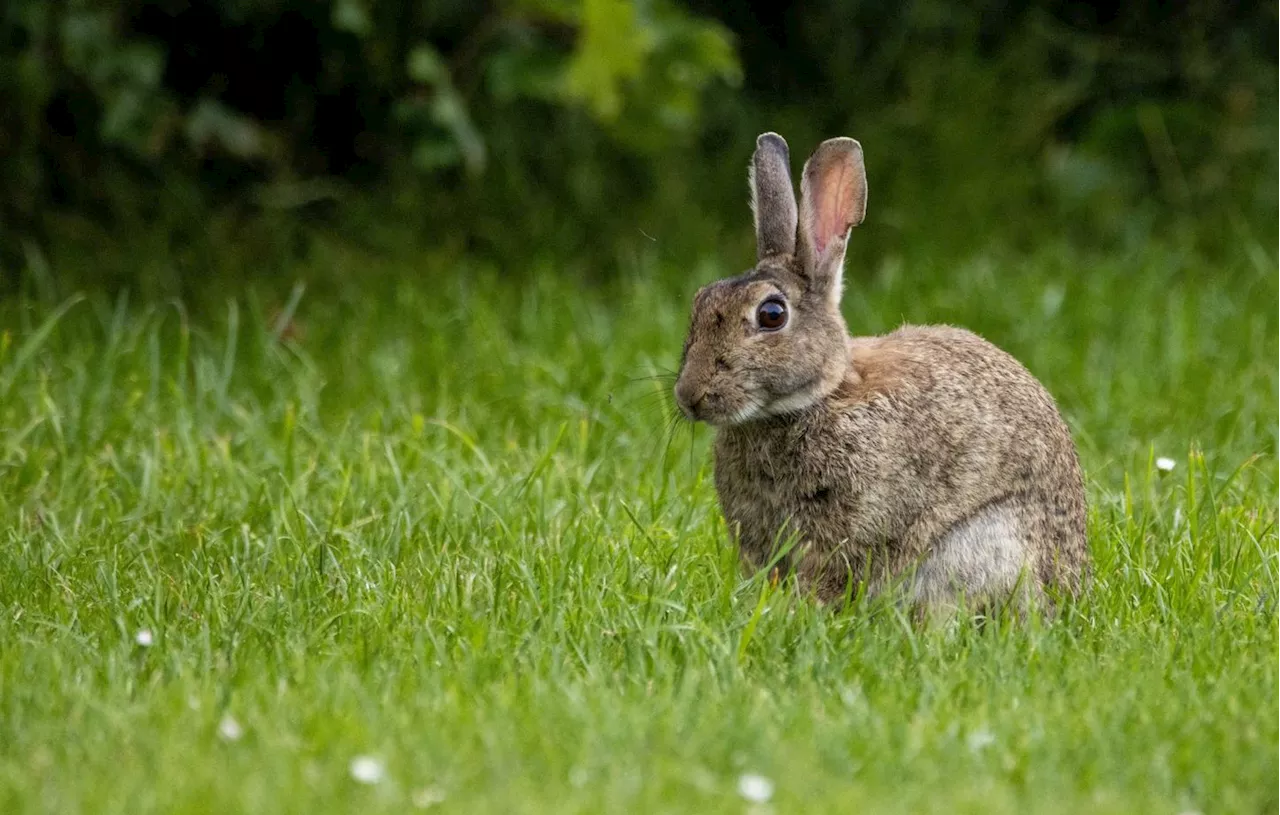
[
  {"x": 211, "y": 122},
  {"x": 611, "y": 50},
  {"x": 142, "y": 63},
  {"x": 123, "y": 113},
  {"x": 425, "y": 65},
  {"x": 533, "y": 73},
  {"x": 449, "y": 112},
  {"x": 352, "y": 16},
  {"x": 435, "y": 154}
]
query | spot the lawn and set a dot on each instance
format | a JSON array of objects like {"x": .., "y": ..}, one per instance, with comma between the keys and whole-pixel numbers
[{"x": 424, "y": 535}]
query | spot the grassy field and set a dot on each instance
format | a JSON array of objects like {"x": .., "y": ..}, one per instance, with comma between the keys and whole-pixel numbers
[{"x": 434, "y": 543}]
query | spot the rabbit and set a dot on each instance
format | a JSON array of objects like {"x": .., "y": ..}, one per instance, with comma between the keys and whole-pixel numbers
[{"x": 926, "y": 459}]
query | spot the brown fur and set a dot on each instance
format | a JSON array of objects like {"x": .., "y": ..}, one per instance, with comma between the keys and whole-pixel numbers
[{"x": 926, "y": 455}]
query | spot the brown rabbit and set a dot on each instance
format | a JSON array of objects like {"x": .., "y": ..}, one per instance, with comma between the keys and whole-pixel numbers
[{"x": 926, "y": 458}]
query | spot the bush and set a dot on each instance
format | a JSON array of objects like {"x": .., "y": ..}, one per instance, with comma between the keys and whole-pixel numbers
[
  {"x": 590, "y": 128},
  {"x": 107, "y": 101}
]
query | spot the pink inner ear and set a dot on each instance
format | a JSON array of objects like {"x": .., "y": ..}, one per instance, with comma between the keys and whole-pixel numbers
[{"x": 834, "y": 206}]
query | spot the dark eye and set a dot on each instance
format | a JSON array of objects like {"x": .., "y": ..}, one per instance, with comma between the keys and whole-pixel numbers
[{"x": 771, "y": 315}]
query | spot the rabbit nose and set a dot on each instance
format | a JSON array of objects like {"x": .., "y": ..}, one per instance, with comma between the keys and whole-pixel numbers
[{"x": 690, "y": 398}]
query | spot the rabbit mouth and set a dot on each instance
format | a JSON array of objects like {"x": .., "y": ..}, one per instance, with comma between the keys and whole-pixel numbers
[
  {"x": 713, "y": 410},
  {"x": 755, "y": 409},
  {"x": 712, "y": 407},
  {"x": 719, "y": 409}
]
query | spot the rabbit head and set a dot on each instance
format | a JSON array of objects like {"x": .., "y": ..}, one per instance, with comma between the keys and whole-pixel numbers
[{"x": 772, "y": 341}]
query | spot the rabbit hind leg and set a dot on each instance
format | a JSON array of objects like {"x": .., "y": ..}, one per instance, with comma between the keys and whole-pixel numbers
[{"x": 982, "y": 562}]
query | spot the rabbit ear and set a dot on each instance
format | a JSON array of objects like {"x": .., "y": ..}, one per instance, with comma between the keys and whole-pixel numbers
[
  {"x": 773, "y": 199},
  {"x": 833, "y": 198}
]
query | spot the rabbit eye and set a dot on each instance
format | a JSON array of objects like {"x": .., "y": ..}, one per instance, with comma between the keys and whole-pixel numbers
[{"x": 771, "y": 315}]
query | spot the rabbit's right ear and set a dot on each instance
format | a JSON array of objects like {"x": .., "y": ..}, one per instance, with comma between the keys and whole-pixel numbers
[{"x": 773, "y": 199}]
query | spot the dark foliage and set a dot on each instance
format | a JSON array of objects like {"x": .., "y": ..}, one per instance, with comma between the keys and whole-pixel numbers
[{"x": 578, "y": 128}]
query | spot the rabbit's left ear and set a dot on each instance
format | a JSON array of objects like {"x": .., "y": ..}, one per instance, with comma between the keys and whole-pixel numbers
[{"x": 833, "y": 199}]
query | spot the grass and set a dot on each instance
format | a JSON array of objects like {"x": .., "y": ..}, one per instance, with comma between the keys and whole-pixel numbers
[{"x": 434, "y": 516}]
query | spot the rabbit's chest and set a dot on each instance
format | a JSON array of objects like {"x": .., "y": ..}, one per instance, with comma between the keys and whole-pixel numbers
[{"x": 777, "y": 481}]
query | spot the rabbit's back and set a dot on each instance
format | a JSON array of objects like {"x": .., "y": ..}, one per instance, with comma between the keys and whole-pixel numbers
[{"x": 938, "y": 450}]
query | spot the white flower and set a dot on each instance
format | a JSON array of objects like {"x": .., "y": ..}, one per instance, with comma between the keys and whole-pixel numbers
[
  {"x": 1164, "y": 464},
  {"x": 980, "y": 740},
  {"x": 428, "y": 797},
  {"x": 230, "y": 729},
  {"x": 144, "y": 638},
  {"x": 755, "y": 788},
  {"x": 367, "y": 769}
]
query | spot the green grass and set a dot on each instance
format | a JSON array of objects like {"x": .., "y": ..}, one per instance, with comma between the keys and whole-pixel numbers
[{"x": 441, "y": 522}]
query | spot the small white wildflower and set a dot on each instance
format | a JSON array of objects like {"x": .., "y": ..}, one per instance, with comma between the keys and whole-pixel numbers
[
  {"x": 428, "y": 797},
  {"x": 980, "y": 740},
  {"x": 755, "y": 788},
  {"x": 367, "y": 769},
  {"x": 1164, "y": 464},
  {"x": 229, "y": 729},
  {"x": 144, "y": 638}
]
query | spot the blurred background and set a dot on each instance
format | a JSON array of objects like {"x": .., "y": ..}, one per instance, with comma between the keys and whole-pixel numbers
[{"x": 161, "y": 145}]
